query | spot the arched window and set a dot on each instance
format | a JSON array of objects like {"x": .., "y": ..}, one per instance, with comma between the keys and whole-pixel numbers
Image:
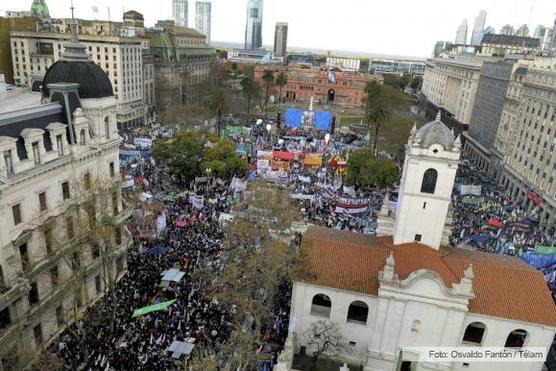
[
  {"x": 107, "y": 127},
  {"x": 82, "y": 137},
  {"x": 474, "y": 333},
  {"x": 429, "y": 181},
  {"x": 516, "y": 339},
  {"x": 358, "y": 312},
  {"x": 321, "y": 305}
]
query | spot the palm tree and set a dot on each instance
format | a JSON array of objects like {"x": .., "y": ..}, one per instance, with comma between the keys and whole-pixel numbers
[
  {"x": 268, "y": 77},
  {"x": 375, "y": 112},
  {"x": 217, "y": 103},
  {"x": 251, "y": 90},
  {"x": 281, "y": 81}
]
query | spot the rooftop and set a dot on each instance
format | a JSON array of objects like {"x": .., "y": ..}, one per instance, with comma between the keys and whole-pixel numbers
[
  {"x": 504, "y": 286},
  {"x": 18, "y": 98}
]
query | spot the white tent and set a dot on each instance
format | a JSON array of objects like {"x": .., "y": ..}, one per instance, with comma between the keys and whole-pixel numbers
[
  {"x": 179, "y": 348},
  {"x": 171, "y": 275}
]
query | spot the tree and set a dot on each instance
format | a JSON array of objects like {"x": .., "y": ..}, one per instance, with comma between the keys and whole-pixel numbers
[
  {"x": 251, "y": 90},
  {"x": 182, "y": 155},
  {"x": 281, "y": 81},
  {"x": 324, "y": 339},
  {"x": 375, "y": 111},
  {"x": 217, "y": 103},
  {"x": 268, "y": 77},
  {"x": 365, "y": 170},
  {"x": 416, "y": 83},
  {"x": 235, "y": 68},
  {"x": 404, "y": 81},
  {"x": 223, "y": 160}
]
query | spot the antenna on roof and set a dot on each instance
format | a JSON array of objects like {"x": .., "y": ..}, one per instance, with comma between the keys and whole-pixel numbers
[{"x": 72, "y": 9}]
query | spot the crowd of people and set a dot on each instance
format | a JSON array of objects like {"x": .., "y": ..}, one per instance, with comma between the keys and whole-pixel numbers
[{"x": 108, "y": 338}]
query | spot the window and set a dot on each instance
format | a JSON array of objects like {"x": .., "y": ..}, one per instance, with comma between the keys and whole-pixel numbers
[
  {"x": 418, "y": 237},
  {"x": 75, "y": 261},
  {"x": 65, "y": 190},
  {"x": 60, "y": 145},
  {"x": 98, "y": 285},
  {"x": 429, "y": 181},
  {"x": 115, "y": 208},
  {"x": 107, "y": 127},
  {"x": 69, "y": 228},
  {"x": 474, "y": 333},
  {"x": 48, "y": 240},
  {"x": 118, "y": 235},
  {"x": 36, "y": 152},
  {"x": 82, "y": 138},
  {"x": 42, "y": 201},
  {"x": 424, "y": 205},
  {"x": 112, "y": 170},
  {"x": 60, "y": 316},
  {"x": 358, "y": 312},
  {"x": 16, "y": 213},
  {"x": 87, "y": 180},
  {"x": 34, "y": 294},
  {"x": 37, "y": 331},
  {"x": 24, "y": 256},
  {"x": 54, "y": 275},
  {"x": 5, "y": 319},
  {"x": 8, "y": 162},
  {"x": 321, "y": 305},
  {"x": 95, "y": 251},
  {"x": 120, "y": 264},
  {"x": 516, "y": 339}
]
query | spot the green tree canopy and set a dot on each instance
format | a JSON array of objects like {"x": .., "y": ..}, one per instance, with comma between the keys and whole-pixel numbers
[
  {"x": 365, "y": 170},
  {"x": 223, "y": 160}
]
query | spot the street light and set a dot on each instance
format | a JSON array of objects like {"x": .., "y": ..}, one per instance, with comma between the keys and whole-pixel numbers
[{"x": 259, "y": 122}]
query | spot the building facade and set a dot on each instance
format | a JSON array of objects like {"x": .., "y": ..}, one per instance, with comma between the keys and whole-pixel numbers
[
  {"x": 503, "y": 45},
  {"x": 281, "y": 40},
  {"x": 397, "y": 66},
  {"x": 180, "y": 12},
  {"x": 120, "y": 57},
  {"x": 451, "y": 84},
  {"x": 389, "y": 297},
  {"x": 183, "y": 65},
  {"x": 254, "y": 27},
  {"x": 59, "y": 177},
  {"x": 461, "y": 34},
  {"x": 203, "y": 18},
  {"x": 306, "y": 83},
  {"x": 478, "y": 28}
]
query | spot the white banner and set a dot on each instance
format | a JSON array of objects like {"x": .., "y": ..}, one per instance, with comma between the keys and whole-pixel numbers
[
  {"x": 299, "y": 196},
  {"x": 237, "y": 185},
  {"x": 160, "y": 223},
  {"x": 197, "y": 201},
  {"x": 470, "y": 190},
  {"x": 352, "y": 206},
  {"x": 304, "y": 179},
  {"x": 143, "y": 142},
  {"x": 262, "y": 166}
]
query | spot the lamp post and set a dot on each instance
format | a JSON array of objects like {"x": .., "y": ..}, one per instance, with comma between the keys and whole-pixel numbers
[
  {"x": 269, "y": 130},
  {"x": 208, "y": 171},
  {"x": 280, "y": 143}
]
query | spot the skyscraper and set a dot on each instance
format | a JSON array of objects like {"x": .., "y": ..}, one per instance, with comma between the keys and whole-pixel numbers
[
  {"x": 281, "y": 39},
  {"x": 180, "y": 12},
  {"x": 478, "y": 28},
  {"x": 507, "y": 30},
  {"x": 203, "y": 14},
  {"x": 523, "y": 30},
  {"x": 254, "y": 28},
  {"x": 461, "y": 35}
]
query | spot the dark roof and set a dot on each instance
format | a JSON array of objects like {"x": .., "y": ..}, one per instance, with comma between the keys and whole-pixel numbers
[
  {"x": 517, "y": 41},
  {"x": 93, "y": 81},
  {"x": 132, "y": 14},
  {"x": 40, "y": 120},
  {"x": 504, "y": 286}
]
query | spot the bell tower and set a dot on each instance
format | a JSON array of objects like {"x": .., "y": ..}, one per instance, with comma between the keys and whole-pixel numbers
[{"x": 431, "y": 161}]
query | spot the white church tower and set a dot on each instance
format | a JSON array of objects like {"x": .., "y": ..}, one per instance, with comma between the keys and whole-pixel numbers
[{"x": 431, "y": 161}]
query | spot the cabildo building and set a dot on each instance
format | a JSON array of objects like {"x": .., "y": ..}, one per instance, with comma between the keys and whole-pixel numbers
[{"x": 392, "y": 293}]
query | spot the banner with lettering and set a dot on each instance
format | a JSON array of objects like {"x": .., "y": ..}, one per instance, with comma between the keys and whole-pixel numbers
[{"x": 352, "y": 205}]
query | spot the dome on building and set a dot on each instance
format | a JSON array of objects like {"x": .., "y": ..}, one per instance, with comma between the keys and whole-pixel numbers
[
  {"x": 93, "y": 81},
  {"x": 435, "y": 132},
  {"x": 40, "y": 9},
  {"x": 75, "y": 66}
]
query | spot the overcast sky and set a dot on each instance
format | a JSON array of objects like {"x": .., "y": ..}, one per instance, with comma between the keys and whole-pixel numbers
[{"x": 403, "y": 27}]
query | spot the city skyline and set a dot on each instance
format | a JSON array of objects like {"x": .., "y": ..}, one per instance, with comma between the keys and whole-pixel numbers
[{"x": 327, "y": 29}]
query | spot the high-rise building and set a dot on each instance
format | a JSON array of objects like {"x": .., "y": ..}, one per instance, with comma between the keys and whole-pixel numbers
[
  {"x": 540, "y": 31},
  {"x": 461, "y": 35},
  {"x": 507, "y": 30},
  {"x": 180, "y": 12},
  {"x": 478, "y": 28},
  {"x": 281, "y": 39},
  {"x": 523, "y": 30},
  {"x": 254, "y": 28},
  {"x": 203, "y": 15}
]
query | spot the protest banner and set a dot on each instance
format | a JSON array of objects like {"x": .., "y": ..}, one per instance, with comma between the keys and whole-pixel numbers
[
  {"x": 152, "y": 308},
  {"x": 352, "y": 205}
]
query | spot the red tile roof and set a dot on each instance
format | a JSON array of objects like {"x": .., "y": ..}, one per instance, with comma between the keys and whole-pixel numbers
[{"x": 504, "y": 286}]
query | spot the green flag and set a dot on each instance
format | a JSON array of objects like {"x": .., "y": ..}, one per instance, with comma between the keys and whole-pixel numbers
[{"x": 152, "y": 308}]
